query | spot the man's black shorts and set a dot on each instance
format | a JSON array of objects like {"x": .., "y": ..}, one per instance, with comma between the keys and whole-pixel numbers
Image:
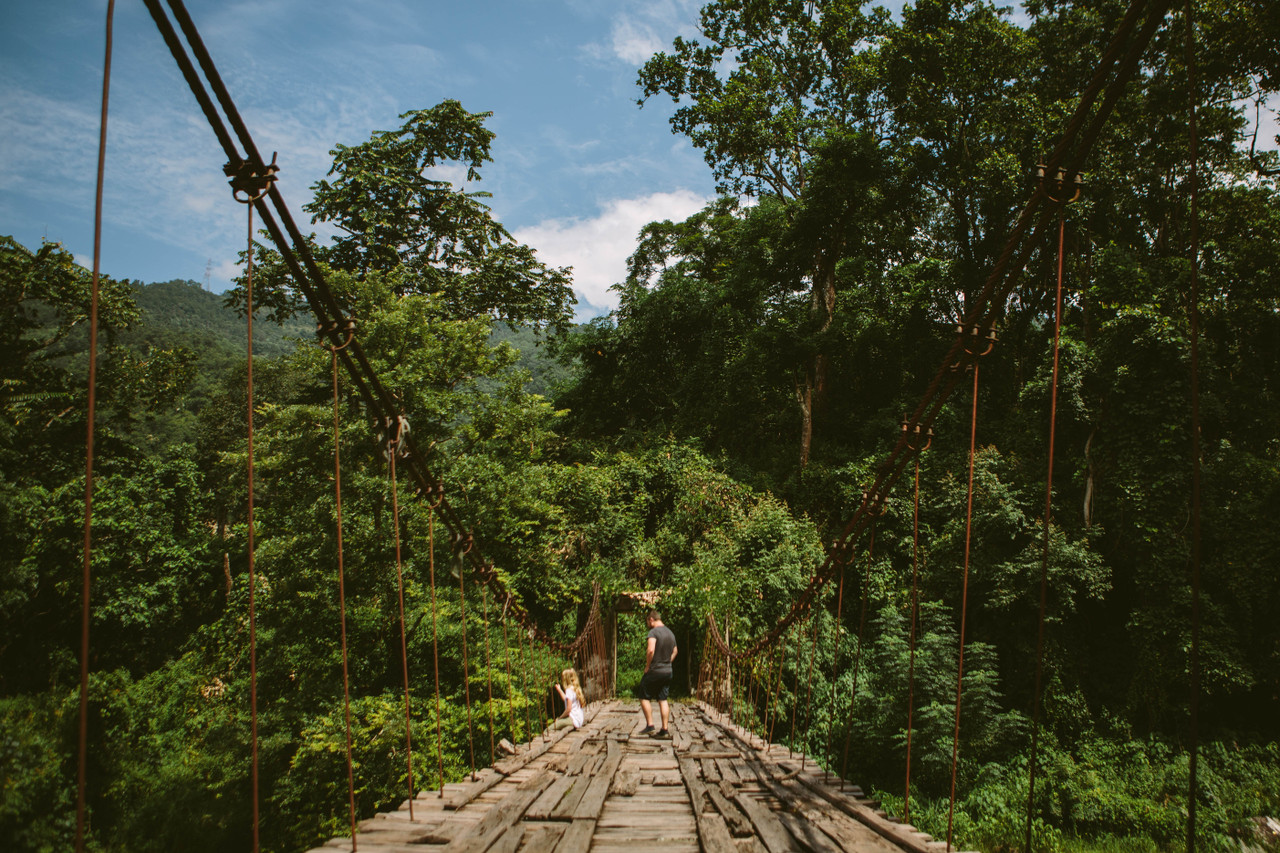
[{"x": 653, "y": 686}]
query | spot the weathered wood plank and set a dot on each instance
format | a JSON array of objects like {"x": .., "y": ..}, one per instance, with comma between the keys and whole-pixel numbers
[
  {"x": 727, "y": 771},
  {"x": 509, "y": 841},
  {"x": 542, "y": 838},
  {"x": 500, "y": 816},
  {"x": 598, "y": 790},
  {"x": 712, "y": 832},
  {"x": 569, "y": 802},
  {"x": 808, "y": 834},
  {"x": 577, "y": 838},
  {"x": 487, "y": 779},
  {"x": 546, "y": 804},
  {"x": 738, "y": 823},
  {"x": 769, "y": 829}
]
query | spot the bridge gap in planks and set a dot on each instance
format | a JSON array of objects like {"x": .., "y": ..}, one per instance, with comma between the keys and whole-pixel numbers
[{"x": 606, "y": 788}]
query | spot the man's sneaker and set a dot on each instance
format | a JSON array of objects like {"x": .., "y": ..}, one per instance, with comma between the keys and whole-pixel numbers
[
  {"x": 647, "y": 730},
  {"x": 661, "y": 735}
]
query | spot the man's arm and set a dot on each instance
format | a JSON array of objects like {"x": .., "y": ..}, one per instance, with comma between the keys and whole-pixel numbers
[
  {"x": 674, "y": 651},
  {"x": 648, "y": 653}
]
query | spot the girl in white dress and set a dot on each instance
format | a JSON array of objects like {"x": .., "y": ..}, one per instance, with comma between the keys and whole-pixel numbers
[{"x": 571, "y": 692}]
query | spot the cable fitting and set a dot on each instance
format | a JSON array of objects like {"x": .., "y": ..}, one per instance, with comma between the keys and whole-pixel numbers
[
  {"x": 248, "y": 184},
  {"x": 976, "y": 343},
  {"x": 343, "y": 328},
  {"x": 917, "y": 439},
  {"x": 1061, "y": 187}
]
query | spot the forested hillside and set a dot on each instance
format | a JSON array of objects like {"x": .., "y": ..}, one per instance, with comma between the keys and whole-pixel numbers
[{"x": 706, "y": 441}]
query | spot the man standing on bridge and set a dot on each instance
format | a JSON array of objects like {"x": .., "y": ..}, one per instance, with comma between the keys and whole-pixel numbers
[{"x": 660, "y": 652}]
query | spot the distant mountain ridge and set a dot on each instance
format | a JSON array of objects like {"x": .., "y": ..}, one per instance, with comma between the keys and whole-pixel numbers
[{"x": 181, "y": 312}]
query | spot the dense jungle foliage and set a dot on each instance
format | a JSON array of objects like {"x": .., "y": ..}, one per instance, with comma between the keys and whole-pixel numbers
[{"x": 703, "y": 441}]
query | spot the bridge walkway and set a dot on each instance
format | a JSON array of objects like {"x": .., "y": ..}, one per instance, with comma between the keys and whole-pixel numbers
[{"x": 606, "y": 788}]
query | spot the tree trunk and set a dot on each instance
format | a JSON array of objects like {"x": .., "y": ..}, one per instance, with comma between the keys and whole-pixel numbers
[{"x": 812, "y": 393}]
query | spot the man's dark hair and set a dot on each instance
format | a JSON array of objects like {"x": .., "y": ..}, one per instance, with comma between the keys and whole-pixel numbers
[{"x": 654, "y": 615}]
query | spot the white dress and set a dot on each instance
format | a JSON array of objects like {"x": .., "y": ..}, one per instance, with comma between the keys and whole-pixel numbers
[{"x": 575, "y": 707}]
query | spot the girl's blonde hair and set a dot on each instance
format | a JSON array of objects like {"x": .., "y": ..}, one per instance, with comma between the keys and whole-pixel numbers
[{"x": 569, "y": 678}]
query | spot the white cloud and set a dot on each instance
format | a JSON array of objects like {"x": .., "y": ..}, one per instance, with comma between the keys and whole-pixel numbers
[
  {"x": 646, "y": 28},
  {"x": 635, "y": 42},
  {"x": 598, "y": 248}
]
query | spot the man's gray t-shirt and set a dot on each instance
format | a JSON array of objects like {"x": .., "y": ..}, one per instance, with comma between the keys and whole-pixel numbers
[{"x": 662, "y": 649}]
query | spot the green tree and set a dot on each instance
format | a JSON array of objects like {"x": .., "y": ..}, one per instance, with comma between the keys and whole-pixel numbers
[{"x": 394, "y": 211}]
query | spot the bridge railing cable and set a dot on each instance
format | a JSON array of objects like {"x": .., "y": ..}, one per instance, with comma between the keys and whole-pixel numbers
[
  {"x": 1097, "y": 101},
  {"x": 324, "y": 305}
]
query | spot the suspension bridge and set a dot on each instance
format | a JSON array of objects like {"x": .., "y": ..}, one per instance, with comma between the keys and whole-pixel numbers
[{"x": 719, "y": 783}]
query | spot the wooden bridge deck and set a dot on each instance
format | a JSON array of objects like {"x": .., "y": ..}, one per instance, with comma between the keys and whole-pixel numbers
[{"x": 605, "y": 787}]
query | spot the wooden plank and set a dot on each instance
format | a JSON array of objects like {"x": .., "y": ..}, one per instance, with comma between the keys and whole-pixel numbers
[
  {"x": 727, "y": 772},
  {"x": 581, "y": 757},
  {"x": 769, "y": 829},
  {"x": 626, "y": 784},
  {"x": 719, "y": 753},
  {"x": 542, "y": 838},
  {"x": 852, "y": 836},
  {"x": 487, "y": 779},
  {"x": 738, "y": 824},
  {"x": 509, "y": 841},
  {"x": 424, "y": 834},
  {"x": 577, "y": 838},
  {"x": 712, "y": 833},
  {"x": 500, "y": 816},
  {"x": 568, "y": 804},
  {"x": 808, "y": 834},
  {"x": 598, "y": 790},
  {"x": 546, "y": 804},
  {"x": 692, "y": 784}
]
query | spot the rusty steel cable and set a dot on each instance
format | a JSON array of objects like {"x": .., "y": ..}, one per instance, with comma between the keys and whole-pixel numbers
[
  {"x": 808, "y": 696},
  {"x": 775, "y": 686},
  {"x": 342, "y": 594},
  {"x": 392, "y": 452},
  {"x": 372, "y": 389},
  {"x": 1044, "y": 550},
  {"x": 548, "y": 668},
  {"x": 488, "y": 669},
  {"x": 964, "y": 605},
  {"x": 435, "y": 637},
  {"x": 857, "y": 654},
  {"x": 511, "y": 691},
  {"x": 250, "y": 538},
  {"x": 999, "y": 283},
  {"x": 460, "y": 548},
  {"x": 306, "y": 274},
  {"x": 82, "y": 749},
  {"x": 1110, "y": 78},
  {"x": 911, "y": 643},
  {"x": 524, "y": 675},
  {"x": 1193, "y": 793},
  {"x": 835, "y": 673},
  {"x": 795, "y": 687}
]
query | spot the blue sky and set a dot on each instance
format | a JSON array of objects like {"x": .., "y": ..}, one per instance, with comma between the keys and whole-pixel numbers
[{"x": 578, "y": 167}]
